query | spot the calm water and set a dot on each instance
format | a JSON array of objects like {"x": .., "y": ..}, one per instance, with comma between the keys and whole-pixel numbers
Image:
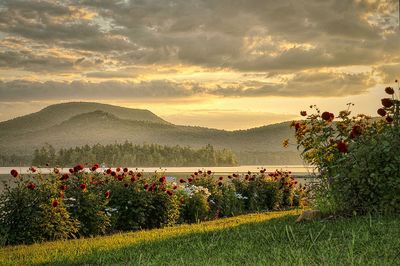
[{"x": 295, "y": 169}]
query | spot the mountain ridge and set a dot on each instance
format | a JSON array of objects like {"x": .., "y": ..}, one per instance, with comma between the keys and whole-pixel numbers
[{"x": 97, "y": 124}]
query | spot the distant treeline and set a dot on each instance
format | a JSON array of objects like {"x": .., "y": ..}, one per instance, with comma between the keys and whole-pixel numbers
[
  {"x": 15, "y": 160},
  {"x": 129, "y": 154}
]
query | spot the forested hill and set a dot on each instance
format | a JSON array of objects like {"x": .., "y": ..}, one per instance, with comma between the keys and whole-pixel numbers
[
  {"x": 77, "y": 124},
  {"x": 134, "y": 155}
]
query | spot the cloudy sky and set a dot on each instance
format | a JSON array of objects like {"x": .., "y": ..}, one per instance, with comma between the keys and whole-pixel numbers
[{"x": 226, "y": 64}]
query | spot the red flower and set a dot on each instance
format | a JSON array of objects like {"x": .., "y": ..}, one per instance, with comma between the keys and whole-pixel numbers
[
  {"x": 146, "y": 186},
  {"x": 107, "y": 194},
  {"x": 246, "y": 177},
  {"x": 209, "y": 172},
  {"x": 389, "y": 119},
  {"x": 63, "y": 187},
  {"x": 71, "y": 170},
  {"x": 221, "y": 178},
  {"x": 182, "y": 180},
  {"x": 356, "y": 131},
  {"x": 297, "y": 126},
  {"x": 200, "y": 172},
  {"x": 113, "y": 173},
  {"x": 387, "y": 102},
  {"x": 78, "y": 167},
  {"x": 118, "y": 169},
  {"x": 133, "y": 179},
  {"x": 389, "y": 90},
  {"x": 342, "y": 146},
  {"x": 54, "y": 203},
  {"x": 32, "y": 169},
  {"x": 162, "y": 179},
  {"x": 303, "y": 113},
  {"x": 327, "y": 116},
  {"x": 31, "y": 186},
  {"x": 190, "y": 179},
  {"x": 169, "y": 192},
  {"x": 120, "y": 177},
  {"x": 219, "y": 183},
  {"x": 229, "y": 176},
  {"x": 125, "y": 170},
  {"x": 381, "y": 112},
  {"x": 138, "y": 174},
  {"x": 108, "y": 171},
  {"x": 94, "y": 168},
  {"x": 65, "y": 177},
  {"x": 83, "y": 186},
  {"x": 56, "y": 171},
  {"x": 130, "y": 172},
  {"x": 175, "y": 187},
  {"x": 195, "y": 173},
  {"x": 14, "y": 173}
]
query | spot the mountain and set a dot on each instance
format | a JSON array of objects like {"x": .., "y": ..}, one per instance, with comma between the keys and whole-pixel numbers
[
  {"x": 58, "y": 113},
  {"x": 77, "y": 124}
]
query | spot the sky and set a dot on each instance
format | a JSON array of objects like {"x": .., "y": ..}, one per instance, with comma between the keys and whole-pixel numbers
[{"x": 224, "y": 64}]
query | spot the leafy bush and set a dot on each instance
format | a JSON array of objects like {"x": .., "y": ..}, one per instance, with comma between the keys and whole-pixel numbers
[
  {"x": 89, "y": 203},
  {"x": 195, "y": 208},
  {"x": 232, "y": 203},
  {"x": 265, "y": 195},
  {"x": 357, "y": 158},
  {"x": 33, "y": 212},
  {"x": 85, "y": 201}
]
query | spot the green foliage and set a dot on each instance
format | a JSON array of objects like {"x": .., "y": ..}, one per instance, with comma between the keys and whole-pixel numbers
[
  {"x": 265, "y": 195},
  {"x": 368, "y": 178},
  {"x": 88, "y": 207},
  {"x": 358, "y": 159},
  {"x": 27, "y": 216},
  {"x": 163, "y": 210},
  {"x": 128, "y": 206},
  {"x": 195, "y": 208},
  {"x": 232, "y": 203}
]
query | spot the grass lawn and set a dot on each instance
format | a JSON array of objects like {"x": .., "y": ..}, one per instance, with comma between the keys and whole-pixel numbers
[{"x": 254, "y": 239}]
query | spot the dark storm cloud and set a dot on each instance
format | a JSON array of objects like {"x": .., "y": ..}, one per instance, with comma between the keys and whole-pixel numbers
[
  {"x": 207, "y": 32},
  {"x": 27, "y": 60}
]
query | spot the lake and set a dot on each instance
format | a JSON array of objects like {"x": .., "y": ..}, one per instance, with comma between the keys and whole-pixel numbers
[{"x": 295, "y": 169}]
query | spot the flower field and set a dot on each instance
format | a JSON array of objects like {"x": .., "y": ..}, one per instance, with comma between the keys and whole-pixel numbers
[{"x": 84, "y": 203}]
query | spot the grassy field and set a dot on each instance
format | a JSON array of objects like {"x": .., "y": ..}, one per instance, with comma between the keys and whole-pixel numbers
[{"x": 254, "y": 239}]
